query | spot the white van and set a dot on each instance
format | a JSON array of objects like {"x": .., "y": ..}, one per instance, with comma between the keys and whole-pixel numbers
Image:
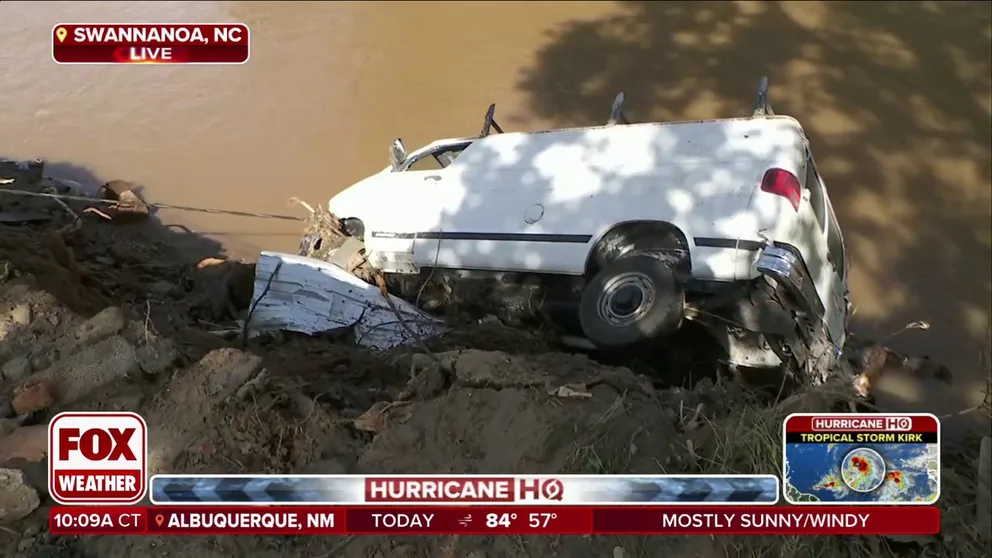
[{"x": 726, "y": 222}]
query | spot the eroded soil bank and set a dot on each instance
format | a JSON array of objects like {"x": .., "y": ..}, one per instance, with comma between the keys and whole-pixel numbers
[{"x": 110, "y": 316}]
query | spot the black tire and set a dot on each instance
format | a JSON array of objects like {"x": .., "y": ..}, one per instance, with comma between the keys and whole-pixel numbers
[
  {"x": 353, "y": 227},
  {"x": 655, "y": 307}
]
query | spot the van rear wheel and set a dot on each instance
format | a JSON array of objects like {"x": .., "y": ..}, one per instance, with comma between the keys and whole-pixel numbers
[{"x": 633, "y": 299}]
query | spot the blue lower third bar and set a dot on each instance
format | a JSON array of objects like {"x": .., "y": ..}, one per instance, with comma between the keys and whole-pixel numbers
[
  {"x": 690, "y": 489},
  {"x": 454, "y": 489},
  {"x": 256, "y": 489}
]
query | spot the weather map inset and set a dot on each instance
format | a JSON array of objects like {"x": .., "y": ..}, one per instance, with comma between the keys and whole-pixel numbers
[{"x": 861, "y": 459}]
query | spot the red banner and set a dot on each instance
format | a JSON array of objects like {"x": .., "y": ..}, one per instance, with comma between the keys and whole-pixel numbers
[
  {"x": 109, "y": 43},
  {"x": 492, "y": 520}
]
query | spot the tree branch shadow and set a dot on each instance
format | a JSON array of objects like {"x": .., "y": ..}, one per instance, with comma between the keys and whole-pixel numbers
[{"x": 895, "y": 98}]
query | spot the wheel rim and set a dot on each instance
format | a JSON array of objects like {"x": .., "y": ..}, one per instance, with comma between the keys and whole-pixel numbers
[{"x": 626, "y": 298}]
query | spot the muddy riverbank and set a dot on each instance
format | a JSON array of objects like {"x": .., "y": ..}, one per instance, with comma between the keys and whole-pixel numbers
[
  {"x": 894, "y": 96},
  {"x": 123, "y": 316}
]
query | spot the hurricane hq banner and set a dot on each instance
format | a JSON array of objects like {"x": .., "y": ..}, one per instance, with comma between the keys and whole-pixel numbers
[
  {"x": 98, "y": 471},
  {"x": 613, "y": 490}
]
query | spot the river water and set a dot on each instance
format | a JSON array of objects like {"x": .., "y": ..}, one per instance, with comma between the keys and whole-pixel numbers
[{"x": 895, "y": 97}]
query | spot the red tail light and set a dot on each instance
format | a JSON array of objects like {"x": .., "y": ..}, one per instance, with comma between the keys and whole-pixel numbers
[{"x": 782, "y": 183}]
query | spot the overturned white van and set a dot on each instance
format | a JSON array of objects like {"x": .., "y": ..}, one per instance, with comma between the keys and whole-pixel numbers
[{"x": 625, "y": 230}]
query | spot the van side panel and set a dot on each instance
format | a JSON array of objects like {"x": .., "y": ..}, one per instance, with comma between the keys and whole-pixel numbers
[{"x": 538, "y": 201}]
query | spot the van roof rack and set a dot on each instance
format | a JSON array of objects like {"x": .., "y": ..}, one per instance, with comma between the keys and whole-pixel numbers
[
  {"x": 616, "y": 112},
  {"x": 761, "y": 105},
  {"x": 489, "y": 122}
]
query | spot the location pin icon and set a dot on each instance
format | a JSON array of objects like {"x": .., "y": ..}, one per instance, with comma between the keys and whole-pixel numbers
[
  {"x": 159, "y": 519},
  {"x": 60, "y": 34}
]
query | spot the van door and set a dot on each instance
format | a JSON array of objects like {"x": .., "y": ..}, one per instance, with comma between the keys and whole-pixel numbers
[{"x": 405, "y": 233}]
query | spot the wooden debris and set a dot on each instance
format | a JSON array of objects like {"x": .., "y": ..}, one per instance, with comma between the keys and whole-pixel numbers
[
  {"x": 129, "y": 208},
  {"x": 570, "y": 391}
]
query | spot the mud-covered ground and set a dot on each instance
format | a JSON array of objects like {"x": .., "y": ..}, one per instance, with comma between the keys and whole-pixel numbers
[{"x": 115, "y": 316}]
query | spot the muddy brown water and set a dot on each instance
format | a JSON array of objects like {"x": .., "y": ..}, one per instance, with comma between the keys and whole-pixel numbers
[{"x": 895, "y": 96}]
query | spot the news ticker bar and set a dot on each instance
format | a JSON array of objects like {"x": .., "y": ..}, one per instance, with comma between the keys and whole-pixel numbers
[
  {"x": 492, "y": 520},
  {"x": 130, "y": 43},
  {"x": 616, "y": 490}
]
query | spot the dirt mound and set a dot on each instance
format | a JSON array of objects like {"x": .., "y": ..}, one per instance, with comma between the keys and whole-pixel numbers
[{"x": 116, "y": 317}]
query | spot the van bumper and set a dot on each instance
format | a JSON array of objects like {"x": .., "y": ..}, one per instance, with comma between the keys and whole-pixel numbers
[{"x": 787, "y": 268}]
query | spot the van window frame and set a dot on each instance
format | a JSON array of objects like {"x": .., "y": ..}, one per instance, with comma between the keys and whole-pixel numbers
[
  {"x": 835, "y": 253},
  {"x": 456, "y": 147},
  {"x": 817, "y": 194}
]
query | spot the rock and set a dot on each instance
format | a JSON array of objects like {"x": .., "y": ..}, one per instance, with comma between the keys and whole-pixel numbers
[
  {"x": 92, "y": 368},
  {"x": 302, "y": 406},
  {"x": 6, "y": 329},
  {"x": 17, "y": 498},
  {"x": 39, "y": 362},
  {"x": 157, "y": 357},
  {"x": 16, "y": 369},
  {"x": 130, "y": 208},
  {"x": 8, "y": 425},
  {"x": 32, "y": 398},
  {"x": 29, "y": 443},
  {"x": 114, "y": 189},
  {"x": 109, "y": 321},
  {"x": 20, "y": 315}
]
